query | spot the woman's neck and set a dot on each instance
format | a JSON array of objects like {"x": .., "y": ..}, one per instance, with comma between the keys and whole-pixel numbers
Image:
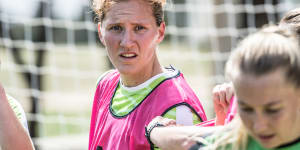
[{"x": 142, "y": 76}]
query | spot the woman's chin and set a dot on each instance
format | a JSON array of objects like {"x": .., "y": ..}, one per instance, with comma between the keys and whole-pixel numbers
[
  {"x": 127, "y": 71},
  {"x": 269, "y": 144}
]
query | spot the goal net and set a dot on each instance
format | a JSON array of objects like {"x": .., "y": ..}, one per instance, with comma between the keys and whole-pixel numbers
[{"x": 51, "y": 56}]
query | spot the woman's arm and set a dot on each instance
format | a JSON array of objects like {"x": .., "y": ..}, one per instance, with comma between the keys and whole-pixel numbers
[
  {"x": 176, "y": 137},
  {"x": 13, "y": 135}
]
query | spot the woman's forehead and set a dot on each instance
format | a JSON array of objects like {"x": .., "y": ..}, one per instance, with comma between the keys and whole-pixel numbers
[
  {"x": 263, "y": 89},
  {"x": 276, "y": 77},
  {"x": 131, "y": 5},
  {"x": 129, "y": 12},
  {"x": 134, "y": 10}
]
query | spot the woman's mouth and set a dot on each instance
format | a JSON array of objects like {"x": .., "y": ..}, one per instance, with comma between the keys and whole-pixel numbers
[
  {"x": 128, "y": 55},
  {"x": 266, "y": 138}
]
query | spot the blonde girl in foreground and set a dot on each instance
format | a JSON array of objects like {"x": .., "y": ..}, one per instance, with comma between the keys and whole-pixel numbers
[{"x": 265, "y": 71}]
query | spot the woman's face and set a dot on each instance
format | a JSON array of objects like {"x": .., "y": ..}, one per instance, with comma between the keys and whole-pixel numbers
[
  {"x": 269, "y": 107},
  {"x": 131, "y": 36}
]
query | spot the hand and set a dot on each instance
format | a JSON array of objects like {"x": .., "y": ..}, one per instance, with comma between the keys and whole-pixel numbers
[
  {"x": 161, "y": 120},
  {"x": 222, "y": 94},
  {"x": 155, "y": 123},
  {"x": 170, "y": 137}
]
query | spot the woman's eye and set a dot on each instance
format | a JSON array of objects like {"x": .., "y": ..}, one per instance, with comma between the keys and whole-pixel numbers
[
  {"x": 247, "y": 109},
  {"x": 115, "y": 28},
  {"x": 272, "y": 111},
  {"x": 138, "y": 28}
]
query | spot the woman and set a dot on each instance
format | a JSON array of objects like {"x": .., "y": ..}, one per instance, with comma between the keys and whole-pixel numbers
[
  {"x": 224, "y": 92},
  {"x": 265, "y": 71},
  {"x": 174, "y": 138},
  {"x": 13, "y": 135},
  {"x": 126, "y": 99}
]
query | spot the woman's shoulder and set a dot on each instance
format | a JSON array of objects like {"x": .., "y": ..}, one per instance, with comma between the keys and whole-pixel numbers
[
  {"x": 18, "y": 110},
  {"x": 106, "y": 74}
]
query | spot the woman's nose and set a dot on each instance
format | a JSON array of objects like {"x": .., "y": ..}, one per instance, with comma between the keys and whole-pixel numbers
[
  {"x": 260, "y": 124},
  {"x": 127, "y": 40}
]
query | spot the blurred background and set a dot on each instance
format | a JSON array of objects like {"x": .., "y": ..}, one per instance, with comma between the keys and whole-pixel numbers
[{"x": 51, "y": 56}]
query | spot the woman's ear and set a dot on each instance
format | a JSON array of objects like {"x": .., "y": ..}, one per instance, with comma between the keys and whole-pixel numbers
[
  {"x": 100, "y": 34},
  {"x": 161, "y": 31}
]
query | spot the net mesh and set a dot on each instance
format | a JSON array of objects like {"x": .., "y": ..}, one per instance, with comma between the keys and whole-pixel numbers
[{"x": 51, "y": 56}]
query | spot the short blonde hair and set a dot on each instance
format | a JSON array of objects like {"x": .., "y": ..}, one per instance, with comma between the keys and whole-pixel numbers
[{"x": 101, "y": 7}]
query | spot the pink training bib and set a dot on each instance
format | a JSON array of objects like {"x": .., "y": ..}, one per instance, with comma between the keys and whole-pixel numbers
[{"x": 109, "y": 132}]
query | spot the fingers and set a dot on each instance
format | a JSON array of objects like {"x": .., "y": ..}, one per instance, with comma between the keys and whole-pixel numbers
[
  {"x": 216, "y": 95},
  {"x": 219, "y": 95},
  {"x": 222, "y": 95},
  {"x": 229, "y": 92},
  {"x": 168, "y": 122},
  {"x": 163, "y": 121}
]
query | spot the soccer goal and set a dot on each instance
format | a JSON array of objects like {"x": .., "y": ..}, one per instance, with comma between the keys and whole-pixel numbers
[{"x": 51, "y": 56}]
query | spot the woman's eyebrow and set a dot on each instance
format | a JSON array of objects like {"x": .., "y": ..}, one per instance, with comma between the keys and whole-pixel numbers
[
  {"x": 240, "y": 102},
  {"x": 273, "y": 103}
]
